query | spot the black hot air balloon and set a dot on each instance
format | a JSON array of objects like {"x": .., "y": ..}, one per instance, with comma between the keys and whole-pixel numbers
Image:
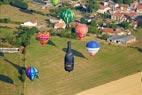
[{"x": 69, "y": 58}]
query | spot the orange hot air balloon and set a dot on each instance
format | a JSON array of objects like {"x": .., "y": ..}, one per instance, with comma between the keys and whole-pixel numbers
[
  {"x": 81, "y": 30},
  {"x": 43, "y": 37}
]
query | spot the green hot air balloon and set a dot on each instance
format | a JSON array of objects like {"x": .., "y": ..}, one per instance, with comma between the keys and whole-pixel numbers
[
  {"x": 67, "y": 15},
  {"x": 55, "y": 2}
]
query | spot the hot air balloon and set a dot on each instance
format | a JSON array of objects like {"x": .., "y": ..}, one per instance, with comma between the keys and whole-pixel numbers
[
  {"x": 92, "y": 47},
  {"x": 69, "y": 58},
  {"x": 32, "y": 73},
  {"x": 55, "y": 2},
  {"x": 67, "y": 16},
  {"x": 81, "y": 30},
  {"x": 43, "y": 37}
]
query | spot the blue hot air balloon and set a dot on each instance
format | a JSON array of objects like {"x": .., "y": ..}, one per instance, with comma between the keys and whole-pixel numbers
[
  {"x": 32, "y": 73},
  {"x": 92, "y": 47}
]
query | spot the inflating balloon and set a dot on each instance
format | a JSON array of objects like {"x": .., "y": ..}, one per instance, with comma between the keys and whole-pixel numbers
[
  {"x": 43, "y": 37},
  {"x": 67, "y": 15},
  {"x": 69, "y": 58},
  {"x": 92, "y": 47},
  {"x": 55, "y": 2},
  {"x": 32, "y": 73},
  {"x": 81, "y": 30}
]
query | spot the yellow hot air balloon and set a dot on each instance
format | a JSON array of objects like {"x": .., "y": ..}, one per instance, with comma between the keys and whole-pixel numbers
[{"x": 55, "y": 2}]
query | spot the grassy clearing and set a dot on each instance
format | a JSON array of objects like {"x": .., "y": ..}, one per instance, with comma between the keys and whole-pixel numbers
[
  {"x": 109, "y": 64},
  {"x": 9, "y": 76},
  {"x": 15, "y": 14}
]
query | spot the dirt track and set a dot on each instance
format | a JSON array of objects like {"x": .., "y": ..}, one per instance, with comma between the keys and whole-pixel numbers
[{"x": 131, "y": 85}]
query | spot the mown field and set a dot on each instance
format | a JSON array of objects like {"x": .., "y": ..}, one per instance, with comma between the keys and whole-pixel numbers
[{"x": 110, "y": 63}]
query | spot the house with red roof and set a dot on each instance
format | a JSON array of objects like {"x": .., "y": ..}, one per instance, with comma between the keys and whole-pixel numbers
[
  {"x": 130, "y": 15},
  {"x": 139, "y": 8},
  {"x": 103, "y": 7},
  {"x": 111, "y": 31},
  {"x": 118, "y": 16}
]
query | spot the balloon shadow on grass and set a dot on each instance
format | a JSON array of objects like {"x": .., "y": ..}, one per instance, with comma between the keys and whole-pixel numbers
[
  {"x": 138, "y": 48},
  {"x": 1, "y": 54},
  {"x": 51, "y": 43},
  {"x": 76, "y": 53},
  {"x": 17, "y": 67},
  {"x": 26, "y": 11},
  {"x": 6, "y": 79}
]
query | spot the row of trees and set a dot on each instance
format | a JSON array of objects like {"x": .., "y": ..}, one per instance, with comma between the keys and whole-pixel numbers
[
  {"x": 19, "y": 38},
  {"x": 8, "y": 20},
  {"x": 123, "y": 1},
  {"x": 17, "y": 3},
  {"x": 24, "y": 35},
  {"x": 93, "y": 5}
]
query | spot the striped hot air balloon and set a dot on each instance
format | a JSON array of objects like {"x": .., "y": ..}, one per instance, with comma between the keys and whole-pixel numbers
[
  {"x": 92, "y": 47},
  {"x": 55, "y": 2},
  {"x": 81, "y": 30},
  {"x": 67, "y": 15},
  {"x": 43, "y": 37},
  {"x": 32, "y": 73}
]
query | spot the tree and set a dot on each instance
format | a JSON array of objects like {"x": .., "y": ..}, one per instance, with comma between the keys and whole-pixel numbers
[
  {"x": 19, "y": 4},
  {"x": 127, "y": 1},
  {"x": 118, "y": 1},
  {"x": 125, "y": 24},
  {"x": 123, "y": 1},
  {"x": 5, "y": 1},
  {"x": 93, "y": 5},
  {"x": 93, "y": 27},
  {"x": 24, "y": 36}
]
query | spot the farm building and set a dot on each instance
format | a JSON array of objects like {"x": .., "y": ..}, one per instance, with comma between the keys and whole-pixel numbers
[
  {"x": 123, "y": 39},
  {"x": 31, "y": 23},
  {"x": 111, "y": 31}
]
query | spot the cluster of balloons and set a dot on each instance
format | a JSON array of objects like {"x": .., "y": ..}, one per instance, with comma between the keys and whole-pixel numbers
[
  {"x": 43, "y": 37},
  {"x": 67, "y": 16},
  {"x": 32, "y": 73},
  {"x": 92, "y": 47}
]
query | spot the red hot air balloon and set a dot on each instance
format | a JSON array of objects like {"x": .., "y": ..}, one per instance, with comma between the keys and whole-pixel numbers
[
  {"x": 43, "y": 37},
  {"x": 81, "y": 30}
]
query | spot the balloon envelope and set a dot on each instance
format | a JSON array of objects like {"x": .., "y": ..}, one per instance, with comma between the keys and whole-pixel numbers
[
  {"x": 93, "y": 47},
  {"x": 55, "y": 2},
  {"x": 32, "y": 73},
  {"x": 67, "y": 15},
  {"x": 43, "y": 37},
  {"x": 81, "y": 30},
  {"x": 69, "y": 59}
]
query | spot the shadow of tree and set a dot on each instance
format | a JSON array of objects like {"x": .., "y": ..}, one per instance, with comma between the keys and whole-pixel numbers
[
  {"x": 26, "y": 11},
  {"x": 6, "y": 79},
  {"x": 19, "y": 68},
  {"x": 51, "y": 43},
  {"x": 1, "y": 54},
  {"x": 76, "y": 53}
]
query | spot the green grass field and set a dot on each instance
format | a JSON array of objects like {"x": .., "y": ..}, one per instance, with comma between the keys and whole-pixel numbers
[{"x": 110, "y": 63}]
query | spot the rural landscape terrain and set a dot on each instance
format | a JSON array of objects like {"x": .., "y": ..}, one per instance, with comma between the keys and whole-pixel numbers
[{"x": 115, "y": 24}]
